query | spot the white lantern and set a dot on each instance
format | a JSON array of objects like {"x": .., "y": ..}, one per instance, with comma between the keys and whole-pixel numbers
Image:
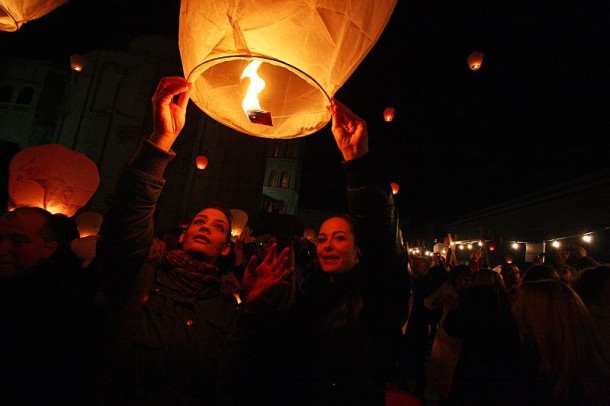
[
  {"x": 239, "y": 218},
  {"x": 15, "y": 13},
  {"x": 89, "y": 223},
  {"x": 52, "y": 177},
  {"x": 302, "y": 53}
]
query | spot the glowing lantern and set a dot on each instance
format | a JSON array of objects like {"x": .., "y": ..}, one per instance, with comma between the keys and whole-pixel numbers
[
  {"x": 475, "y": 60},
  {"x": 310, "y": 234},
  {"x": 491, "y": 246},
  {"x": 15, "y": 13},
  {"x": 388, "y": 114},
  {"x": 85, "y": 248},
  {"x": 52, "y": 177},
  {"x": 201, "y": 161},
  {"x": 303, "y": 53},
  {"x": 77, "y": 62},
  {"x": 89, "y": 223},
  {"x": 239, "y": 218},
  {"x": 395, "y": 187}
]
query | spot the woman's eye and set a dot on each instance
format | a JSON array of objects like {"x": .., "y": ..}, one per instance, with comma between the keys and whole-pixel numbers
[{"x": 220, "y": 227}]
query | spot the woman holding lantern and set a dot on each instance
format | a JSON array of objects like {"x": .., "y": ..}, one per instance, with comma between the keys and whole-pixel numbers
[{"x": 170, "y": 317}]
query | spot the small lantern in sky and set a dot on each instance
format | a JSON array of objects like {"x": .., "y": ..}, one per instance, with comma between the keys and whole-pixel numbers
[
  {"x": 239, "y": 218},
  {"x": 77, "y": 62},
  {"x": 395, "y": 187},
  {"x": 202, "y": 162},
  {"x": 288, "y": 58},
  {"x": 475, "y": 60},
  {"x": 15, "y": 13},
  {"x": 89, "y": 223},
  {"x": 388, "y": 114},
  {"x": 52, "y": 177}
]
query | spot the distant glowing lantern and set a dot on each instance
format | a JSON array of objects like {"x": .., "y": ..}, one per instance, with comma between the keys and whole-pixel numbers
[
  {"x": 77, "y": 62},
  {"x": 395, "y": 187},
  {"x": 491, "y": 246},
  {"x": 290, "y": 57},
  {"x": 15, "y": 13},
  {"x": 85, "y": 248},
  {"x": 475, "y": 60},
  {"x": 310, "y": 234},
  {"x": 388, "y": 114},
  {"x": 201, "y": 161},
  {"x": 441, "y": 248},
  {"x": 89, "y": 223},
  {"x": 239, "y": 218},
  {"x": 52, "y": 177}
]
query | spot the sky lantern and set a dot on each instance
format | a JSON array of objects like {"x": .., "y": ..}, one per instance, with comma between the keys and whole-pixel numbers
[
  {"x": 475, "y": 60},
  {"x": 77, "y": 62},
  {"x": 202, "y": 162},
  {"x": 395, "y": 187},
  {"x": 15, "y": 13},
  {"x": 388, "y": 114},
  {"x": 89, "y": 223},
  {"x": 52, "y": 177},
  {"x": 269, "y": 68},
  {"x": 239, "y": 218}
]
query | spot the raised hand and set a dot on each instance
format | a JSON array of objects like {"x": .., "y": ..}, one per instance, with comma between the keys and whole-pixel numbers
[
  {"x": 350, "y": 132},
  {"x": 260, "y": 279},
  {"x": 169, "y": 113}
]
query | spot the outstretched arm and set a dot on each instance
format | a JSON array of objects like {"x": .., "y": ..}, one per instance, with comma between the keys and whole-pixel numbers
[
  {"x": 350, "y": 132},
  {"x": 169, "y": 110}
]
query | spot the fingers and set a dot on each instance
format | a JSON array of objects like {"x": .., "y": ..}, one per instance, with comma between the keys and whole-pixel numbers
[
  {"x": 252, "y": 264},
  {"x": 169, "y": 87}
]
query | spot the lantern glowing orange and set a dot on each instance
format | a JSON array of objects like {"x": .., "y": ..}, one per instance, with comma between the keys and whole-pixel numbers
[
  {"x": 15, "y": 13},
  {"x": 89, "y": 223},
  {"x": 239, "y": 218},
  {"x": 475, "y": 60},
  {"x": 305, "y": 51},
  {"x": 202, "y": 162},
  {"x": 52, "y": 177},
  {"x": 395, "y": 187},
  {"x": 77, "y": 62},
  {"x": 388, "y": 114}
]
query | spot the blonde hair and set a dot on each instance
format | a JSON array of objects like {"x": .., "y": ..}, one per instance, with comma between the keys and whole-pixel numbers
[{"x": 571, "y": 351}]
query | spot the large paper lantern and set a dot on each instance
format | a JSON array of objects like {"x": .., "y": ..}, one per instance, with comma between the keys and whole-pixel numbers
[
  {"x": 53, "y": 177},
  {"x": 295, "y": 54},
  {"x": 239, "y": 219},
  {"x": 15, "y": 13}
]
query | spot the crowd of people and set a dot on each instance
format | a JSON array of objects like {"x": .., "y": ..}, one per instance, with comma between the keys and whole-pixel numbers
[{"x": 186, "y": 316}]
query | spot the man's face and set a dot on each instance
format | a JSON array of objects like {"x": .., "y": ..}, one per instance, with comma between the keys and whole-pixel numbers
[
  {"x": 206, "y": 236},
  {"x": 336, "y": 249},
  {"x": 21, "y": 246}
]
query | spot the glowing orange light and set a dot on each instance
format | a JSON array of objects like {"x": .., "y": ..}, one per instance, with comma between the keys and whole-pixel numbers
[
  {"x": 395, "y": 187},
  {"x": 388, "y": 114},
  {"x": 201, "y": 161},
  {"x": 475, "y": 60},
  {"x": 257, "y": 84},
  {"x": 77, "y": 62}
]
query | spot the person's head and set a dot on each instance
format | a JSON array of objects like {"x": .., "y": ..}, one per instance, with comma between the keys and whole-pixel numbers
[
  {"x": 539, "y": 272},
  {"x": 489, "y": 277},
  {"x": 511, "y": 275},
  {"x": 460, "y": 276},
  {"x": 208, "y": 235},
  {"x": 27, "y": 237},
  {"x": 593, "y": 284},
  {"x": 337, "y": 247},
  {"x": 420, "y": 265}
]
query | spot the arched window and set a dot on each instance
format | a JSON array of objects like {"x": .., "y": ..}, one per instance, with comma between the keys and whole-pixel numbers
[
  {"x": 285, "y": 182},
  {"x": 281, "y": 207},
  {"x": 273, "y": 179},
  {"x": 25, "y": 95},
  {"x": 269, "y": 206},
  {"x": 6, "y": 93}
]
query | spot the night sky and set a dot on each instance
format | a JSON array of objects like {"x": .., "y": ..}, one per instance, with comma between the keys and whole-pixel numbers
[{"x": 537, "y": 112}]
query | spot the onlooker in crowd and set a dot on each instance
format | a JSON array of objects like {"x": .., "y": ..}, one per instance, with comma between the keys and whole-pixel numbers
[
  {"x": 339, "y": 345},
  {"x": 539, "y": 272},
  {"x": 49, "y": 321},
  {"x": 170, "y": 317},
  {"x": 489, "y": 360},
  {"x": 511, "y": 276},
  {"x": 445, "y": 349},
  {"x": 566, "y": 360},
  {"x": 593, "y": 287}
]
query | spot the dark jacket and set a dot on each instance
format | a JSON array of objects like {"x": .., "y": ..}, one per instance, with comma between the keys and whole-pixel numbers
[
  {"x": 338, "y": 346},
  {"x": 49, "y": 329},
  {"x": 163, "y": 346}
]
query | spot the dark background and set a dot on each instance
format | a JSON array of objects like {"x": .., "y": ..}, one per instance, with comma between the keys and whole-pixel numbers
[{"x": 536, "y": 113}]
